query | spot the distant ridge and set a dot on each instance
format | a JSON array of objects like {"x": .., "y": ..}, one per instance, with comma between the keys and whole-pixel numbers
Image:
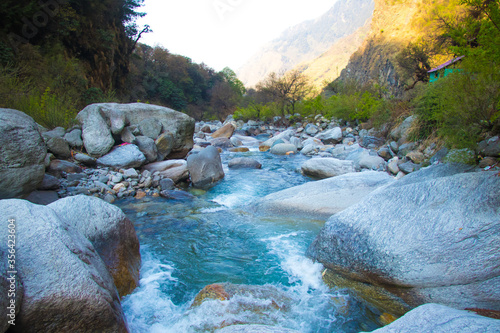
[{"x": 307, "y": 41}]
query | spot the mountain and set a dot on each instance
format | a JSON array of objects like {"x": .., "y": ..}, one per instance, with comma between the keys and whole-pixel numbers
[
  {"x": 307, "y": 41},
  {"x": 394, "y": 25}
]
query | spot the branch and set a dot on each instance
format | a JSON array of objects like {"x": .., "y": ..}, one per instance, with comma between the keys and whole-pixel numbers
[{"x": 146, "y": 29}]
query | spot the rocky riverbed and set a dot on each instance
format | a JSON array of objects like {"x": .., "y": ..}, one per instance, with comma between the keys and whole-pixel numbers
[{"x": 409, "y": 219}]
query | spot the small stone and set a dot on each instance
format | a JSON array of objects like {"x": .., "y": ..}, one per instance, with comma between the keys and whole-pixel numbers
[
  {"x": 409, "y": 167},
  {"x": 264, "y": 148},
  {"x": 85, "y": 159},
  {"x": 109, "y": 198},
  {"x": 49, "y": 183},
  {"x": 74, "y": 138},
  {"x": 166, "y": 184},
  {"x": 140, "y": 195},
  {"x": 416, "y": 157},
  {"x": 119, "y": 187},
  {"x": 148, "y": 182},
  {"x": 117, "y": 178},
  {"x": 59, "y": 147},
  {"x": 386, "y": 153},
  {"x": 104, "y": 179},
  {"x": 485, "y": 162},
  {"x": 393, "y": 167},
  {"x": 146, "y": 173},
  {"x": 239, "y": 150},
  {"x": 131, "y": 173}
]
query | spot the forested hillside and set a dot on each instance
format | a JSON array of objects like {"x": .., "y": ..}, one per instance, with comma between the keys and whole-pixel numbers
[{"x": 58, "y": 56}]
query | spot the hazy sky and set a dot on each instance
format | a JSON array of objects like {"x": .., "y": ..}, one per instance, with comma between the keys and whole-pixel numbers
[{"x": 223, "y": 32}]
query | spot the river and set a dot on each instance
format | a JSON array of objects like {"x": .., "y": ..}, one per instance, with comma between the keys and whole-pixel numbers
[{"x": 191, "y": 243}]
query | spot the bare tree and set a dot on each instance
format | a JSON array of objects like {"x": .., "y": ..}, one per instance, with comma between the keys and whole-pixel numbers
[{"x": 286, "y": 90}]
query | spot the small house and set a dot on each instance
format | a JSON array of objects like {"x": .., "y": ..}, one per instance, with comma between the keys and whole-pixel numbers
[{"x": 444, "y": 69}]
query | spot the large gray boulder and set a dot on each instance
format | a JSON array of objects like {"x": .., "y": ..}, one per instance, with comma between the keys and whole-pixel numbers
[
  {"x": 437, "y": 318},
  {"x": 286, "y": 135},
  {"x": 110, "y": 232},
  {"x": 22, "y": 154},
  {"x": 205, "y": 167},
  {"x": 67, "y": 287},
  {"x": 244, "y": 163},
  {"x": 123, "y": 157},
  {"x": 148, "y": 147},
  {"x": 283, "y": 149},
  {"x": 366, "y": 159},
  {"x": 321, "y": 199},
  {"x": 326, "y": 167},
  {"x": 97, "y": 135},
  {"x": 431, "y": 237}
]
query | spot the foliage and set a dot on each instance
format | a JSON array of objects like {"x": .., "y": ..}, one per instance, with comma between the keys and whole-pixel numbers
[{"x": 413, "y": 62}]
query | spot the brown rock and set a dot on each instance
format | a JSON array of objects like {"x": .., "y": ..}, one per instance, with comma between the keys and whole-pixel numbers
[
  {"x": 225, "y": 131},
  {"x": 239, "y": 150},
  {"x": 140, "y": 195},
  {"x": 264, "y": 148}
]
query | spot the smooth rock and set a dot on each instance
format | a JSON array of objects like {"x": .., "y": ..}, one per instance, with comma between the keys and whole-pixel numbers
[
  {"x": 42, "y": 197},
  {"x": 177, "y": 195},
  {"x": 323, "y": 198},
  {"x": 438, "y": 318},
  {"x": 57, "y": 132},
  {"x": 283, "y": 135},
  {"x": 283, "y": 149},
  {"x": 127, "y": 136},
  {"x": 406, "y": 148},
  {"x": 167, "y": 184},
  {"x": 164, "y": 144},
  {"x": 368, "y": 141},
  {"x": 49, "y": 183},
  {"x": 244, "y": 163},
  {"x": 439, "y": 156},
  {"x": 312, "y": 129},
  {"x": 148, "y": 147},
  {"x": 110, "y": 232},
  {"x": 58, "y": 167},
  {"x": 488, "y": 162},
  {"x": 97, "y": 137},
  {"x": 123, "y": 157},
  {"x": 401, "y": 132},
  {"x": 409, "y": 167},
  {"x": 239, "y": 150},
  {"x": 22, "y": 154},
  {"x": 86, "y": 159},
  {"x": 416, "y": 157},
  {"x": 67, "y": 287},
  {"x": 225, "y": 131},
  {"x": 131, "y": 173},
  {"x": 326, "y": 167},
  {"x": 372, "y": 162},
  {"x": 205, "y": 168},
  {"x": 177, "y": 170},
  {"x": 74, "y": 138},
  {"x": 150, "y": 128},
  {"x": 221, "y": 143},
  {"x": 386, "y": 153},
  {"x": 331, "y": 136},
  {"x": 392, "y": 166},
  {"x": 490, "y": 147},
  {"x": 59, "y": 147},
  {"x": 436, "y": 241},
  {"x": 236, "y": 141}
]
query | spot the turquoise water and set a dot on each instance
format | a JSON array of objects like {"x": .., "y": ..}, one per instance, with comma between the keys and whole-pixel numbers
[{"x": 187, "y": 245}]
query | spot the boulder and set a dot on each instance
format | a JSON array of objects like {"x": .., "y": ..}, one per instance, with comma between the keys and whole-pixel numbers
[
  {"x": 437, "y": 239},
  {"x": 326, "y": 167},
  {"x": 57, "y": 168},
  {"x": 205, "y": 167},
  {"x": 392, "y": 166},
  {"x": 110, "y": 232},
  {"x": 177, "y": 195},
  {"x": 312, "y": 129},
  {"x": 490, "y": 147},
  {"x": 372, "y": 162},
  {"x": 416, "y": 157},
  {"x": 74, "y": 138},
  {"x": 239, "y": 150},
  {"x": 176, "y": 170},
  {"x": 321, "y": 199},
  {"x": 441, "y": 319},
  {"x": 127, "y": 136},
  {"x": 86, "y": 159},
  {"x": 406, "y": 148},
  {"x": 67, "y": 287},
  {"x": 180, "y": 125},
  {"x": 57, "y": 132},
  {"x": 225, "y": 131},
  {"x": 283, "y": 149},
  {"x": 148, "y": 147},
  {"x": 150, "y": 128},
  {"x": 283, "y": 135},
  {"x": 244, "y": 163},
  {"x": 221, "y": 143},
  {"x": 369, "y": 141},
  {"x": 331, "y": 136},
  {"x": 42, "y": 197},
  {"x": 409, "y": 167},
  {"x": 400, "y": 133},
  {"x": 164, "y": 145},
  {"x": 123, "y": 157},
  {"x": 59, "y": 147},
  {"x": 49, "y": 183},
  {"x": 386, "y": 153},
  {"x": 22, "y": 154}
]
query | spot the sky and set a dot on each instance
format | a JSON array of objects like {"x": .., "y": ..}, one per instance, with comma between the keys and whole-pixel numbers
[{"x": 223, "y": 33}]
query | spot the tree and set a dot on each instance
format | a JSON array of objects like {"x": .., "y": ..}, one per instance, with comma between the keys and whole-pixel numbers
[
  {"x": 286, "y": 90},
  {"x": 414, "y": 63}
]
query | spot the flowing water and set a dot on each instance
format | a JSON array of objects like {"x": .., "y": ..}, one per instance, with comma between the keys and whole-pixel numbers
[{"x": 189, "y": 244}]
